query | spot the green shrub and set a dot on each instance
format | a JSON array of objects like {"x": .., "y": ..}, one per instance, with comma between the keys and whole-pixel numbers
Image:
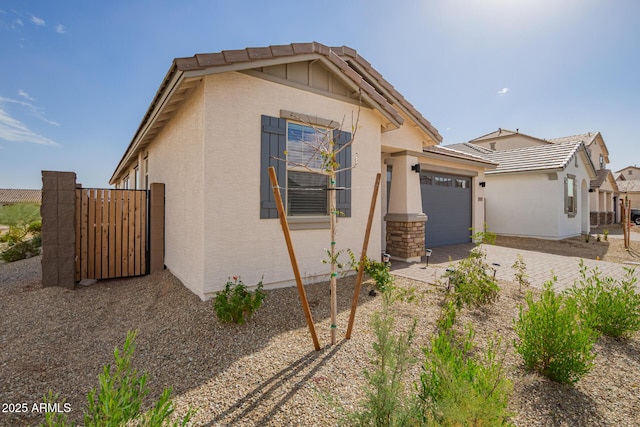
[
  {"x": 20, "y": 214},
  {"x": 119, "y": 398},
  {"x": 36, "y": 241},
  {"x": 456, "y": 389},
  {"x": 237, "y": 304},
  {"x": 519, "y": 268},
  {"x": 472, "y": 284},
  {"x": 387, "y": 402},
  {"x": 35, "y": 227},
  {"x": 551, "y": 337},
  {"x": 609, "y": 306},
  {"x": 380, "y": 273},
  {"x": 20, "y": 251}
]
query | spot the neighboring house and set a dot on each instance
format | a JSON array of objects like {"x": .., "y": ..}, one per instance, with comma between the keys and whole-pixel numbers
[
  {"x": 628, "y": 180},
  {"x": 540, "y": 190},
  {"x": 219, "y": 120},
  {"x": 630, "y": 173},
  {"x": 10, "y": 196},
  {"x": 603, "y": 190}
]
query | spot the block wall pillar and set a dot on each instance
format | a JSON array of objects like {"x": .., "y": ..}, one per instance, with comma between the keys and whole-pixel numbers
[{"x": 58, "y": 228}]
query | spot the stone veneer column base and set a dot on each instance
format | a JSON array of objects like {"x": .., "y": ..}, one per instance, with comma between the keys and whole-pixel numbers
[{"x": 405, "y": 236}]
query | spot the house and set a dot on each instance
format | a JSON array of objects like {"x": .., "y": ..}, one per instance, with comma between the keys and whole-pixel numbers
[
  {"x": 539, "y": 189},
  {"x": 10, "y": 196},
  {"x": 603, "y": 190},
  {"x": 219, "y": 120},
  {"x": 628, "y": 181}
]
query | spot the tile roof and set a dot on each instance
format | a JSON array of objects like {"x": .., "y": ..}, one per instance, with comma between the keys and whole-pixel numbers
[
  {"x": 629, "y": 186},
  {"x": 469, "y": 148},
  {"x": 601, "y": 176},
  {"x": 449, "y": 152},
  {"x": 344, "y": 59},
  {"x": 12, "y": 195},
  {"x": 350, "y": 63},
  {"x": 586, "y": 138},
  {"x": 526, "y": 159}
]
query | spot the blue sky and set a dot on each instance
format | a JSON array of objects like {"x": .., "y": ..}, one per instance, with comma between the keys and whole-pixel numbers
[{"x": 76, "y": 77}]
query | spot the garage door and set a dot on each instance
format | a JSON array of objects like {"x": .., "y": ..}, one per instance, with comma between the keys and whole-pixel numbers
[{"x": 446, "y": 199}]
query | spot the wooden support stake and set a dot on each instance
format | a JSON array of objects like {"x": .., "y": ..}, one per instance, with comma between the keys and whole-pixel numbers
[
  {"x": 363, "y": 256},
  {"x": 294, "y": 263}
]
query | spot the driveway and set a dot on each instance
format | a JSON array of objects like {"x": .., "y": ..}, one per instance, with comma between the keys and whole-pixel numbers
[{"x": 541, "y": 267}]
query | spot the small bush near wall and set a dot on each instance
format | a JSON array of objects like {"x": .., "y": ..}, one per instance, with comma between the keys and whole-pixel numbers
[{"x": 236, "y": 304}]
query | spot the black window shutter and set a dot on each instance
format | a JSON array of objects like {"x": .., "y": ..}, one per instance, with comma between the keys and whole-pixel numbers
[
  {"x": 343, "y": 179},
  {"x": 273, "y": 144}
]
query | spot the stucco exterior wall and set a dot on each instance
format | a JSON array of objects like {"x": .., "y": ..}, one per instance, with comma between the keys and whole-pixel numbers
[
  {"x": 407, "y": 137},
  {"x": 523, "y": 205},
  {"x": 176, "y": 159},
  {"x": 532, "y": 204},
  {"x": 236, "y": 241},
  {"x": 509, "y": 142}
]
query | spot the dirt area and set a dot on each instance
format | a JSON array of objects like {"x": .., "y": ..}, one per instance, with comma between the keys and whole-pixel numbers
[
  {"x": 265, "y": 373},
  {"x": 612, "y": 249}
]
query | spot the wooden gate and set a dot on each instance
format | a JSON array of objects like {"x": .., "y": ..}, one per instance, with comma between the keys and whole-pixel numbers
[{"x": 111, "y": 233}]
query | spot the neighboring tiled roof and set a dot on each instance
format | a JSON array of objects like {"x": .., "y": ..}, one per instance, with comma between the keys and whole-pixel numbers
[
  {"x": 629, "y": 186},
  {"x": 601, "y": 176},
  {"x": 536, "y": 158},
  {"x": 586, "y": 138},
  {"x": 449, "y": 152},
  {"x": 11, "y": 195},
  {"x": 526, "y": 159},
  {"x": 469, "y": 148}
]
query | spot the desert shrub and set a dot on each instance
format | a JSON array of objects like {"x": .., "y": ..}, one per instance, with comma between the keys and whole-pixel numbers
[
  {"x": 20, "y": 251},
  {"x": 459, "y": 389},
  {"x": 35, "y": 227},
  {"x": 119, "y": 399},
  {"x": 552, "y": 339},
  {"x": 36, "y": 241},
  {"x": 236, "y": 303},
  {"x": 380, "y": 273},
  {"x": 472, "y": 284},
  {"x": 19, "y": 214},
  {"x": 386, "y": 401},
  {"x": 609, "y": 306},
  {"x": 519, "y": 268}
]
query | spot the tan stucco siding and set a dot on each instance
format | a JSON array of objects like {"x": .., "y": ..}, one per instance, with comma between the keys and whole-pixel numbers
[
  {"x": 236, "y": 240},
  {"x": 407, "y": 137},
  {"x": 176, "y": 159},
  {"x": 510, "y": 142}
]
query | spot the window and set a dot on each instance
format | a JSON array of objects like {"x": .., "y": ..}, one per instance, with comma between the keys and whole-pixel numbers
[
  {"x": 443, "y": 181},
  {"x": 136, "y": 177},
  {"x": 570, "y": 192},
  {"x": 146, "y": 172},
  {"x": 125, "y": 183},
  {"x": 304, "y": 193},
  {"x": 426, "y": 179},
  {"x": 461, "y": 183},
  {"x": 601, "y": 161}
]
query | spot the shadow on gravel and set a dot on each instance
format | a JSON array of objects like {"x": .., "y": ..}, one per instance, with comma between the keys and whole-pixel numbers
[
  {"x": 563, "y": 405},
  {"x": 58, "y": 339},
  {"x": 252, "y": 400}
]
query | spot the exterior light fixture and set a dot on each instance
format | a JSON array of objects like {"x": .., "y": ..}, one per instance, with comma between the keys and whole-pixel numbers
[
  {"x": 416, "y": 168},
  {"x": 483, "y": 184}
]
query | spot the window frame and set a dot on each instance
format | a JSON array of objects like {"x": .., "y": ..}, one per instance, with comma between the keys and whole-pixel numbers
[
  {"x": 297, "y": 169},
  {"x": 570, "y": 200}
]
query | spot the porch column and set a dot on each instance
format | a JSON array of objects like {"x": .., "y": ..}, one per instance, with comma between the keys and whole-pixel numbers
[{"x": 405, "y": 220}]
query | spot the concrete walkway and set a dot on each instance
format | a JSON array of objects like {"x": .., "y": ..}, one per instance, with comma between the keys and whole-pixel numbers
[{"x": 541, "y": 267}]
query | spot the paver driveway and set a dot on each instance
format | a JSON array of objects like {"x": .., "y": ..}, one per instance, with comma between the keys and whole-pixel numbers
[{"x": 541, "y": 267}]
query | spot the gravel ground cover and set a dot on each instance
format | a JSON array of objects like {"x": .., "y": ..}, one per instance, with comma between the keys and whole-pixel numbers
[{"x": 265, "y": 372}]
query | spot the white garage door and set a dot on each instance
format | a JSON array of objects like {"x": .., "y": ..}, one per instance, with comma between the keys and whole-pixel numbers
[{"x": 446, "y": 199}]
